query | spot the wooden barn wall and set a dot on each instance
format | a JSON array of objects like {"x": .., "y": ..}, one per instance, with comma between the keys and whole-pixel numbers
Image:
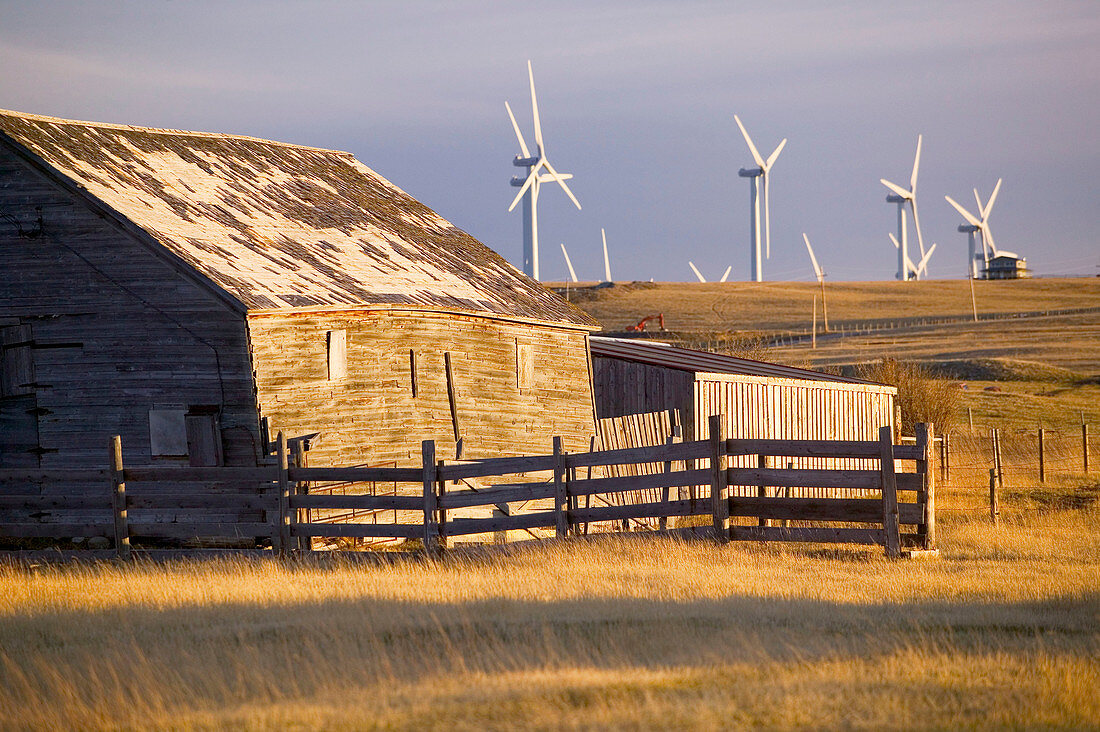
[
  {"x": 371, "y": 416},
  {"x": 625, "y": 387},
  {"x": 114, "y": 332}
]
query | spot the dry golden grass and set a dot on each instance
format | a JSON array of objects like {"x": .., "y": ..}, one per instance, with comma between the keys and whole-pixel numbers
[{"x": 1003, "y": 630}]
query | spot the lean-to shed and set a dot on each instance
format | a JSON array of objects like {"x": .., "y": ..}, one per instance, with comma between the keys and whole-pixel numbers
[
  {"x": 756, "y": 399},
  {"x": 178, "y": 288}
]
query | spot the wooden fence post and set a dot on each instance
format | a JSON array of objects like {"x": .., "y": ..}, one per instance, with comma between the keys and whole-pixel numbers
[
  {"x": 118, "y": 500},
  {"x": 720, "y": 507},
  {"x": 927, "y": 493},
  {"x": 662, "y": 522},
  {"x": 301, "y": 488},
  {"x": 947, "y": 458},
  {"x": 889, "y": 492},
  {"x": 431, "y": 531},
  {"x": 762, "y": 490},
  {"x": 1085, "y": 446},
  {"x": 1042, "y": 458},
  {"x": 994, "y": 509},
  {"x": 561, "y": 519},
  {"x": 440, "y": 506},
  {"x": 284, "y": 496}
]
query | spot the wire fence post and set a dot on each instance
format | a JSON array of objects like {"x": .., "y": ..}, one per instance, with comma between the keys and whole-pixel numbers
[
  {"x": 719, "y": 502},
  {"x": 994, "y": 509},
  {"x": 118, "y": 500},
  {"x": 430, "y": 471},
  {"x": 561, "y": 517},
  {"x": 1042, "y": 458},
  {"x": 1085, "y": 447},
  {"x": 891, "y": 529},
  {"x": 284, "y": 496}
]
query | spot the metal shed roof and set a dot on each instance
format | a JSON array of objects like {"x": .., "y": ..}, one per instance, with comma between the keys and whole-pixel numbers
[
  {"x": 279, "y": 226},
  {"x": 655, "y": 353}
]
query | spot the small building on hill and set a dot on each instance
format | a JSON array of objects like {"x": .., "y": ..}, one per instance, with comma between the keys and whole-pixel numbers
[
  {"x": 755, "y": 399},
  {"x": 184, "y": 289},
  {"x": 1007, "y": 266}
]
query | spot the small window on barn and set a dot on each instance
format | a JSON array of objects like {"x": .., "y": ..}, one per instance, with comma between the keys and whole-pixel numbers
[
  {"x": 337, "y": 354},
  {"x": 168, "y": 432},
  {"x": 204, "y": 439},
  {"x": 525, "y": 365}
]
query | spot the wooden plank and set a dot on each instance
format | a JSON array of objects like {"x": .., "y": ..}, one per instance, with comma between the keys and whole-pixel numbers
[
  {"x": 677, "y": 479},
  {"x": 40, "y": 529},
  {"x": 539, "y": 519},
  {"x": 118, "y": 500},
  {"x": 806, "y": 478},
  {"x": 356, "y": 475},
  {"x": 561, "y": 516},
  {"x": 718, "y": 493},
  {"x": 451, "y": 395},
  {"x": 498, "y": 466},
  {"x": 429, "y": 529},
  {"x": 657, "y": 509},
  {"x": 926, "y": 493},
  {"x": 890, "y": 522},
  {"x": 158, "y": 474},
  {"x": 821, "y": 535},
  {"x": 37, "y": 475},
  {"x": 802, "y": 448},
  {"x": 198, "y": 529},
  {"x": 499, "y": 495},
  {"x": 243, "y": 501},
  {"x": 56, "y": 502},
  {"x": 283, "y": 522},
  {"x": 647, "y": 454},
  {"x": 357, "y": 502},
  {"x": 359, "y": 531},
  {"x": 855, "y": 510}
]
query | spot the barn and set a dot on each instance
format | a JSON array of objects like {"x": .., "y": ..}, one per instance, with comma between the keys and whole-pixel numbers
[
  {"x": 196, "y": 293},
  {"x": 755, "y": 399}
]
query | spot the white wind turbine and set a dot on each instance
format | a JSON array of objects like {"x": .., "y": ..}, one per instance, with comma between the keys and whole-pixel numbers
[
  {"x": 606, "y": 260},
  {"x": 974, "y": 225},
  {"x": 700, "y": 276},
  {"x": 820, "y": 274},
  {"x": 901, "y": 197},
  {"x": 920, "y": 269},
  {"x": 529, "y": 185},
  {"x": 759, "y": 177},
  {"x": 572, "y": 273}
]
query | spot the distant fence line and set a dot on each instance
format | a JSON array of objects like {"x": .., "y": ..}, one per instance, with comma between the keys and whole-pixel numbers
[{"x": 757, "y": 499}]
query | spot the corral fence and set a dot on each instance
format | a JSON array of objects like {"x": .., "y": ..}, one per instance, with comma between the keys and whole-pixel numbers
[{"x": 695, "y": 493}]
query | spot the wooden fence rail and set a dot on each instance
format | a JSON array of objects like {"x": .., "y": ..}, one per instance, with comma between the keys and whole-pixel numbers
[{"x": 437, "y": 497}]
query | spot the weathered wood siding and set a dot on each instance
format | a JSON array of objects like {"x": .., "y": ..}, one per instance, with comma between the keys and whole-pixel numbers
[
  {"x": 627, "y": 387},
  {"x": 114, "y": 331},
  {"x": 372, "y": 415}
]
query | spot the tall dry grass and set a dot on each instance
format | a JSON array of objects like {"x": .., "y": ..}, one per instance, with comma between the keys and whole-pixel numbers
[{"x": 643, "y": 632}]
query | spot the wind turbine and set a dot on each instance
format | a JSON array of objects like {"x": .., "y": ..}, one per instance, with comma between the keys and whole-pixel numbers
[
  {"x": 759, "y": 176},
  {"x": 529, "y": 185},
  {"x": 704, "y": 279},
  {"x": 901, "y": 196},
  {"x": 572, "y": 273},
  {"x": 974, "y": 225},
  {"x": 820, "y": 274},
  {"x": 920, "y": 269}
]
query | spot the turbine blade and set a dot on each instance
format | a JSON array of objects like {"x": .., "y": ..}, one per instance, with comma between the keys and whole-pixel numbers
[
  {"x": 519, "y": 136},
  {"x": 987, "y": 234},
  {"x": 895, "y": 240},
  {"x": 726, "y": 274},
  {"x": 526, "y": 184},
  {"x": 916, "y": 167},
  {"x": 560, "y": 179},
  {"x": 775, "y": 154},
  {"x": 896, "y": 188},
  {"x": 923, "y": 267},
  {"x": 696, "y": 271},
  {"x": 606, "y": 259},
  {"x": 992, "y": 198},
  {"x": 572, "y": 274},
  {"x": 978, "y": 198},
  {"x": 916, "y": 224},
  {"x": 813, "y": 259},
  {"x": 963, "y": 212},
  {"x": 752, "y": 148},
  {"x": 535, "y": 111}
]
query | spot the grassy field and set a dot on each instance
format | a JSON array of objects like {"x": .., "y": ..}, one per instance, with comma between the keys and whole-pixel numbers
[
  {"x": 1013, "y": 373},
  {"x": 1002, "y": 630}
]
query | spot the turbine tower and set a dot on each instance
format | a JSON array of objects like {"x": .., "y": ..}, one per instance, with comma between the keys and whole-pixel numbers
[
  {"x": 529, "y": 184},
  {"x": 901, "y": 197},
  {"x": 976, "y": 225},
  {"x": 759, "y": 176},
  {"x": 606, "y": 259}
]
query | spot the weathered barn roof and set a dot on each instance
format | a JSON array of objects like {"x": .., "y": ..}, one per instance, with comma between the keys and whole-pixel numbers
[
  {"x": 283, "y": 226},
  {"x": 655, "y": 353}
]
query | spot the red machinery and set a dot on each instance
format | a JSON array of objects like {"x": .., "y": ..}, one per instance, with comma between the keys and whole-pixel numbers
[{"x": 641, "y": 326}]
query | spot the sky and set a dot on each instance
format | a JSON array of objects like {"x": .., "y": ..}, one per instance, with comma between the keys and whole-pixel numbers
[{"x": 636, "y": 101}]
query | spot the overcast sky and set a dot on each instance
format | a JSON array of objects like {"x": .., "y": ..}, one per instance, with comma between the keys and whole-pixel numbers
[{"x": 637, "y": 101}]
